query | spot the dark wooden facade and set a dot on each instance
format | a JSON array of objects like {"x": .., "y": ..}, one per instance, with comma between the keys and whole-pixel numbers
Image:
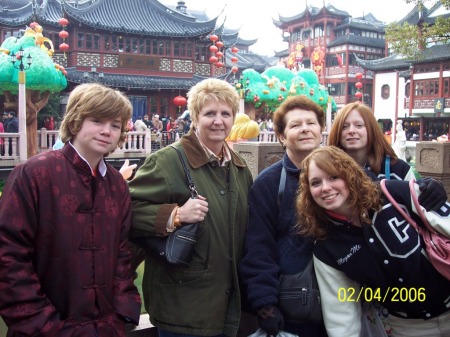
[{"x": 150, "y": 51}]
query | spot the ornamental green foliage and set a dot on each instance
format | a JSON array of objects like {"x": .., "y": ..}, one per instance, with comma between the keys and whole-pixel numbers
[
  {"x": 405, "y": 39},
  {"x": 275, "y": 84},
  {"x": 43, "y": 75}
]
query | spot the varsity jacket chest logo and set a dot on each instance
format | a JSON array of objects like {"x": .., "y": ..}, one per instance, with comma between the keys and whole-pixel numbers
[{"x": 397, "y": 236}]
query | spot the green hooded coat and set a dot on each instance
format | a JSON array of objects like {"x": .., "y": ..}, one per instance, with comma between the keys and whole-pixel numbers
[{"x": 203, "y": 299}]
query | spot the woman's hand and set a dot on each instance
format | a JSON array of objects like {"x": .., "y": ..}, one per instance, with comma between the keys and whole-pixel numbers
[{"x": 194, "y": 210}]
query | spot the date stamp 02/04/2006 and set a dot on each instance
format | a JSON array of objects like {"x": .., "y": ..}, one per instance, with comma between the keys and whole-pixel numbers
[{"x": 390, "y": 294}]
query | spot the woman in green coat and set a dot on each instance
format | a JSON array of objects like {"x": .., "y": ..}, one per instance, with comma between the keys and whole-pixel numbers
[{"x": 204, "y": 299}]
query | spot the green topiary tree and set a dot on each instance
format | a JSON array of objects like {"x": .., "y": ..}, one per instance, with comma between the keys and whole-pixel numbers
[
  {"x": 275, "y": 84},
  {"x": 42, "y": 77}
]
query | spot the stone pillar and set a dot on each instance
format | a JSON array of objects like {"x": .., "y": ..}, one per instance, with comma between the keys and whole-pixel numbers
[
  {"x": 259, "y": 155},
  {"x": 433, "y": 160}
]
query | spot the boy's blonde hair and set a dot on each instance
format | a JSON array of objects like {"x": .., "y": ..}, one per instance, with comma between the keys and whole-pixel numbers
[{"x": 97, "y": 101}]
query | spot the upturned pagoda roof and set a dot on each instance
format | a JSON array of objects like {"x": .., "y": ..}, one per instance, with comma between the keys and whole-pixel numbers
[
  {"x": 368, "y": 23},
  {"x": 133, "y": 81},
  {"x": 310, "y": 12},
  {"x": 357, "y": 40},
  {"x": 431, "y": 54},
  {"x": 144, "y": 17}
]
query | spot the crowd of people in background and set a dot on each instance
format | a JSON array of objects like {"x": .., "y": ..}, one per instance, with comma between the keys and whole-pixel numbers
[
  {"x": 9, "y": 124},
  {"x": 320, "y": 204}
]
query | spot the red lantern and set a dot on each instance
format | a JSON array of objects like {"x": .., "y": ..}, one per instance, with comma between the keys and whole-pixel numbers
[
  {"x": 359, "y": 76},
  {"x": 235, "y": 69},
  {"x": 64, "y": 47},
  {"x": 358, "y": 85},
  {"x": 219, "y": 64},
  {"x": 358, "y": 94},
  {"x": 179, "y": 101},
  {"x": 63, "y": 34},
  {"x": 219, "y": 54},
  {"x": 63, "y": 22},
  {"x": 219, "y": 44},
  {"x": 213, "y": 59},
  {"x": 234, "y": 50},
  {"x": 213, "y": 49},
  {"x": 234, "y": 59},
  {"x": 213, "y": 37}
]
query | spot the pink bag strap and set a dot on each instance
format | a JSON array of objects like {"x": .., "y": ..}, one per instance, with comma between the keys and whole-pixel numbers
[
  {"x": 397, "y": 206},
  {"x": 419, "y": 208}
]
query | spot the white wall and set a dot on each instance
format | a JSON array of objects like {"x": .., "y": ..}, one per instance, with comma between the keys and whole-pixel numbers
[{"x": 385, "y": 108}]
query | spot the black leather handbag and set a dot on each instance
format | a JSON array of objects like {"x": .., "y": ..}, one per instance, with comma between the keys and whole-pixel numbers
[
  {"x": 177, "y": 248},
  {"x": 299, "y": 298}
]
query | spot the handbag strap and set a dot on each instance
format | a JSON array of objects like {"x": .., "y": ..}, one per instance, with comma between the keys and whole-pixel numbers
[
  {"x": 281, "y": 186},
  {"x": 397, "y": 206},
  {"x": 194, "y": 193},
  {"x": 387, "y": 167}
]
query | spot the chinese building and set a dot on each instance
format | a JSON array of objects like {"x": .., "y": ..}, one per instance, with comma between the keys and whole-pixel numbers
[
  {"x": 417, "y": 92},
  {"x": 329, "y": 41},
  {"x": 150, "y": 51}
]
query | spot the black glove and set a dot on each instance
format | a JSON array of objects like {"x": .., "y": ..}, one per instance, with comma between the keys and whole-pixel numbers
[
  {"x": 433, "y": 194},
  {"x": 271, "y": 320}
]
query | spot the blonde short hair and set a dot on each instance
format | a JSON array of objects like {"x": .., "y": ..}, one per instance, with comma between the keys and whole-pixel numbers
[
  {"x": 211, "y": 89},
  {"x": 94, "y": 100}
]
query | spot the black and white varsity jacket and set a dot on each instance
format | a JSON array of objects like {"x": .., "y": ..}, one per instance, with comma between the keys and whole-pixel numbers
[{"x": 384, "y": 262}]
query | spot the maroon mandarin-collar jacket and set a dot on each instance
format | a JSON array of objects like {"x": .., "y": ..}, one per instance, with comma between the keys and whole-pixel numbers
[{"x": 64, "y": 260}]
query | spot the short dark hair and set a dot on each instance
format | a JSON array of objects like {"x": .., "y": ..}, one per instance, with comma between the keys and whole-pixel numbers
[{"x": 12, "y": 113}]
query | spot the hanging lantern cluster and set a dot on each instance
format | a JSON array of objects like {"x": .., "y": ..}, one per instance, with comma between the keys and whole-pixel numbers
[
  {"x": 217, "y": 57},
  {"x": 179, "y": 101},
  {"x": 63, "y": 34},
  {"x": 359, "y": 85},
  {"x": 234, "y": 60}
]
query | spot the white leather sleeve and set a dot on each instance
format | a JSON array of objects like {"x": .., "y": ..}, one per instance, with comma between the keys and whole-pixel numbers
[{"x": 341, "y": 314}]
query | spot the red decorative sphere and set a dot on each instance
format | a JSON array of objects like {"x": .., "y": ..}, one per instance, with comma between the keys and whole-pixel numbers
[
  {"x": 63, "y": 22},
  {"x": 359, "y": 76},
  {"x": 179, "y": 100},
  {"x": 63, "y": 34},
  {"x": 213, "y": 49},
  {"x": 213, "y": 59},
  {"x": 358, "y": 85},
  {"x": 213, "y": 37},
  {"x": 219, "y": 64},
  {"x": 358, "y": 94},
  {"x": 235, "y": 69},
  {"x": 234, "y": 50},
  {"x": 219, "y": 54},
  {"x": 63, "y": 47},
  {"x": 234, "y": 59},
  {"x": 219, "y": 44}
]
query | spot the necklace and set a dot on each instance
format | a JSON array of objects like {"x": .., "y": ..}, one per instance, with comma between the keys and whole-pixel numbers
[{"x": 220, "y": 155}]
